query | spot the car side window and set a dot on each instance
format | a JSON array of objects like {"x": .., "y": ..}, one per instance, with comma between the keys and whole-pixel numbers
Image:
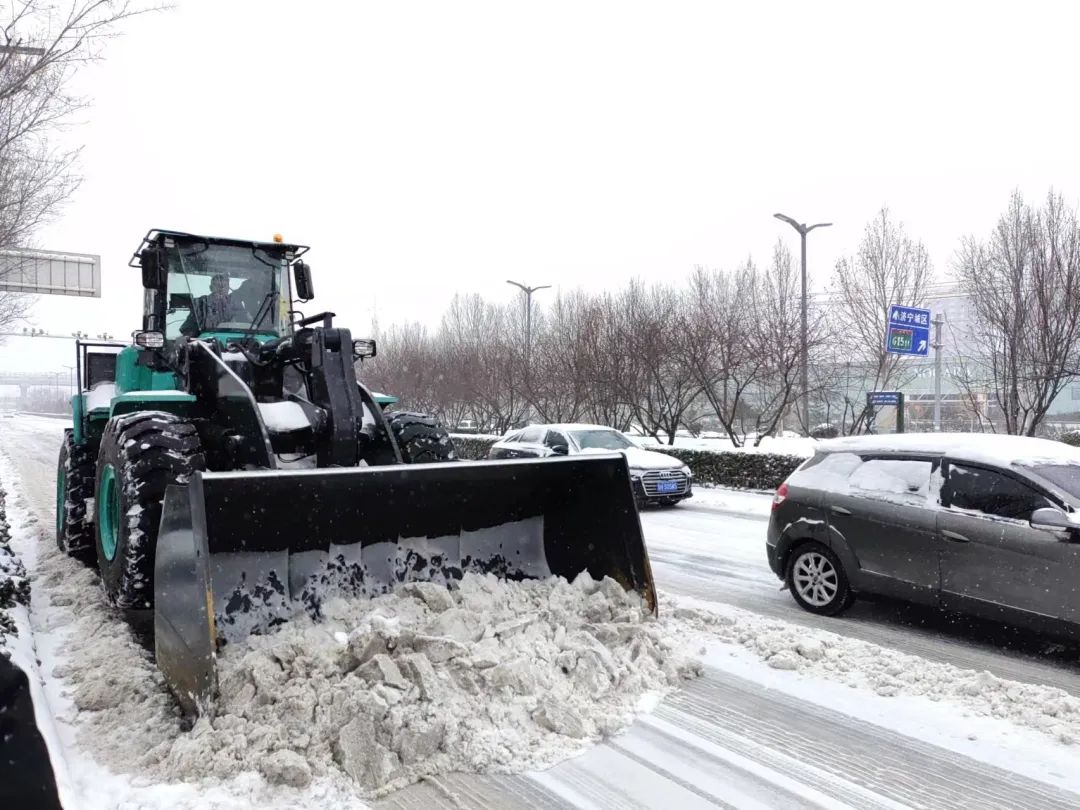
[
  {"x": 512, "y": 437},
  {"x": 554, "y": 439},
  {"x": 531, "y": 435},
  {"x": 992, "y": 493},
  {"x": 893, "y": 476}
]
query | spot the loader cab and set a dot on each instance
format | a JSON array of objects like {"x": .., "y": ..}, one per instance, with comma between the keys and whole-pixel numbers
[{"x": 198, "y": 286}]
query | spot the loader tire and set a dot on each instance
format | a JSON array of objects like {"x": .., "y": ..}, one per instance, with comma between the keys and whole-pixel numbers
[
  {"x": 74, "y": 486},
  {"x": 140, "y": 456},
  {"x": 421, "y": 439}
]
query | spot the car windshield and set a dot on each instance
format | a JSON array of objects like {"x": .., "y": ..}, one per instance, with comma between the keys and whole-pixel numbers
[
  {"x": 224, "y": 288},
  {"x": 600, "y": 440},
  {"x": 1064, "y": 476}
]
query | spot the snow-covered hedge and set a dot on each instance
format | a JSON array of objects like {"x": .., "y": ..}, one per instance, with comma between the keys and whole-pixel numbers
[
  {"x": 1071, "y": 437},
  {"x": 741, "y": 470},
  {"x": 472, "y": 448}
]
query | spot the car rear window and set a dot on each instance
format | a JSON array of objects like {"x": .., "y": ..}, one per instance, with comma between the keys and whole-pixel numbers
[
  {"x": 601, "y": 440},
  {"x": 827, "y": 471},
  {"x": 531, "y": 434}
]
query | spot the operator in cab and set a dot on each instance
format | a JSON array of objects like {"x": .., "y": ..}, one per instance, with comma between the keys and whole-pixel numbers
[{"x": 208, "y": 311}]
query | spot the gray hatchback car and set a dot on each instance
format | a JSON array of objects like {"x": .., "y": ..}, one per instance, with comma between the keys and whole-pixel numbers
[{"x": 982, "y": 525}]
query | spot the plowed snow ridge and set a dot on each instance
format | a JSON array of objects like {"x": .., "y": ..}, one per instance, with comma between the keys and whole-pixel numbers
[{"x": 495, "y": 676}]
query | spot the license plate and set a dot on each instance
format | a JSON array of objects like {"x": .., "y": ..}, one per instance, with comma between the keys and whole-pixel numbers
[{"x": 667, "y": 486}]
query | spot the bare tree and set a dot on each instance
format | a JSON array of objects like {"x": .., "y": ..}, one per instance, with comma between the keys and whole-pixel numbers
[
  {"x": 743, "y": 343},
  {"x": 407, "y": 367},
  {"x": 776, "y": 339},
  {"x": 563, "y": 368},
  {"x": 1024, "y": 284},
  {"x": 42, "y": 45},
  {"x": 608, "y": 400},
  {"x": 660, "y": 387},
  {"x": 718, "y": 342},
  {"x": 888, "y": 268}
]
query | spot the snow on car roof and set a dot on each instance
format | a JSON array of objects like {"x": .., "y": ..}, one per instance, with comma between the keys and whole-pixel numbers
[
  {"x": 988, "y": 448},
  {"x": 565, "y": 426}
]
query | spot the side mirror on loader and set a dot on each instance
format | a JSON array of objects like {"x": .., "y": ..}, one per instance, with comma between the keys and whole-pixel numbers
[
  {"x": 154, "y": 271},
  {"x": 305, "y": 290}
]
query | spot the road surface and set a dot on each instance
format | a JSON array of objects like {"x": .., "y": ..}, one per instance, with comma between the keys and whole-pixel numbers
[{"x": 733, "y": 738}]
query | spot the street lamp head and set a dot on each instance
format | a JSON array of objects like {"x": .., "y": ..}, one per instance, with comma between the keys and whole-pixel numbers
[
  {"x": 793, "y": 223},
  {"x": 526, "y": 288}
]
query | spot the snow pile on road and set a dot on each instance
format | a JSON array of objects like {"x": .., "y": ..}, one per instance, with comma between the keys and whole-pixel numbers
[
  {"x": 886, "y": 672},
  {"x": 14, "y": 586},
  {"x": 494, "y": 676}
]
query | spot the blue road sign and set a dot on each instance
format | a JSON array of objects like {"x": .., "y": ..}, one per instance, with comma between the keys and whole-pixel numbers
[
  {"x": 883, "y": 397},
  {"x": 908, "y": 331}
]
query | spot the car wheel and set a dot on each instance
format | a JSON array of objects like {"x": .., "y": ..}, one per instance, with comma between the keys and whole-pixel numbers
[{"x": 817, "y": 581}]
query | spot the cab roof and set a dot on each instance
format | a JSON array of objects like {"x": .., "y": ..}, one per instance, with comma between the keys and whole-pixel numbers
[{"x": 154, "y": 234}]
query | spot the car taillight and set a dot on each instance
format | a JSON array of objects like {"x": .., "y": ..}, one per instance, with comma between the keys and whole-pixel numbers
[{"x": 780, "y": 496}]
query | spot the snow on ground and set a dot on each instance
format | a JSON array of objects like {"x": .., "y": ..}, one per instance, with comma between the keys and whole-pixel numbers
[
  {"x": 984, "y": 717},
  {"x": 745, "y": 503},
  {"x": 706, "y": 741},
  {"x": 887, "y": 673}
]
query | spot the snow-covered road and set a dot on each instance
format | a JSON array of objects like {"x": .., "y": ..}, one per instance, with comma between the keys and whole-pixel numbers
[{"x": 786, "y": 715}]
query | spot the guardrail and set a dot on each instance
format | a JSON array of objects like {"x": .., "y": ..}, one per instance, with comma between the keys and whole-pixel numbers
[{"x": 47, "y": 415}]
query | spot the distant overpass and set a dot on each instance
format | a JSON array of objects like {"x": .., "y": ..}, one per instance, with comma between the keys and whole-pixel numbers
[{"x": 29, "y": 379}]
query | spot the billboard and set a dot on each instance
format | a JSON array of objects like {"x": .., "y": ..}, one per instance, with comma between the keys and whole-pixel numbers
[{"x": 50, "y": 272}]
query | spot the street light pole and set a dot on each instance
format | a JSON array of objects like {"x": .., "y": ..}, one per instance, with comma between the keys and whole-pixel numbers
[
  {"x": 528, "y": 317},
  {"x": 803, "y": 229},
  {"x": 528, "y": 323}
]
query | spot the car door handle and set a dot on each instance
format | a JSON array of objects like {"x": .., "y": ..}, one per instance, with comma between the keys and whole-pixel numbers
[
  {"x": 839, "y": 510},
  {"x": 956, "y": 537}
]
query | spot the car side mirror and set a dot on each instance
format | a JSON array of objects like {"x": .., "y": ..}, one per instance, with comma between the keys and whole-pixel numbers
[
  {"x": 154, "y": 270},
  {"x": 1051, "y": 519},
  {"x": 305, "y": 290}
]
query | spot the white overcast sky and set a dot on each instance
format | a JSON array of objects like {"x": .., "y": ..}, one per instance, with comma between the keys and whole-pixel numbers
[{"x": 426, "y": 148}]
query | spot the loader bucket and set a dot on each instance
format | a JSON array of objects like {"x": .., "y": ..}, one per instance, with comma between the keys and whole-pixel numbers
[{"x": 239, "y": 552}]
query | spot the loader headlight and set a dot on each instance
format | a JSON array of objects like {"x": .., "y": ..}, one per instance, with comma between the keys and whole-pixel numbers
[
  {"x": 150, "y": 340},
  {"x": 364, "y": 347}
]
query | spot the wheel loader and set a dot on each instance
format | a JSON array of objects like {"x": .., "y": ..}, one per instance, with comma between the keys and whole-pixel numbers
[{"x": 229, "y": 471}]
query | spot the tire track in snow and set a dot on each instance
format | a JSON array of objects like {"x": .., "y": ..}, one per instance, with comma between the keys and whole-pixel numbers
[{"x": 725, "y": 708}]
